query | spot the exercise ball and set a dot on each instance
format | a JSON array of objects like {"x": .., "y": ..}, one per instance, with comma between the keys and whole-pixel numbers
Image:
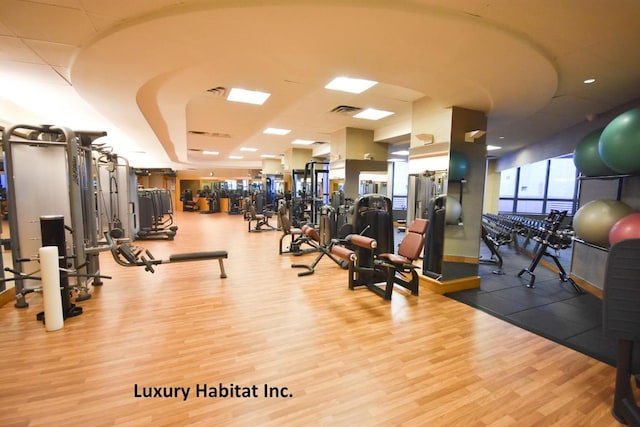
[
  {"x": 626, "y": 228},
  {"x": 453, "y": 211},
  {"x": 619, "y": 145},
  {"x": 457, "y": 166},
  {"x": 587, "y": 158},
  {"x": 593, "y": 221}
]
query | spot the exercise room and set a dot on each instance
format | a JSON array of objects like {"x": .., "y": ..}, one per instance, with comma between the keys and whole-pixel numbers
[{"x": 286, "y": 213}]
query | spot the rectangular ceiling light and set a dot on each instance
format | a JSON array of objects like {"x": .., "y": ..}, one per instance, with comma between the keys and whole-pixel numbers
[
  {"x": 210, "y": 153},
  {"x": 251, "y": 149},
  {"x": 347, "y": 84},
  {"x": 268, "y": 156},
  {"x": 276, "y": 131},
  {"x": 373, "y": 114},
  {"x": 401, "y": 153},
  {"x": 248, "y": 96},
  {"x": 302, "y": 142},
  {"x": 493, "y": 147},
  {"x": 235, "y": 157}
]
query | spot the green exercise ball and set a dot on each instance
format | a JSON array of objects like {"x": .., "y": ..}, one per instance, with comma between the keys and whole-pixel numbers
[
  {"x": 453, "y": 211},
  {"x": 593, "y": 221},
  {"x": 587, "y": 158},
  {"x": 619, "y": 145},
  {"x": 457, "y": 166}
]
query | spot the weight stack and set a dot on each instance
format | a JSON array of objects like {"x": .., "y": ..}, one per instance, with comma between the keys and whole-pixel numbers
[{"x": 52, "y": 232}]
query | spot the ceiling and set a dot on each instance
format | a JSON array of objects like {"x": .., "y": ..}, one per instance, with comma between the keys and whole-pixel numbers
[{"x": 142, "y": 70}]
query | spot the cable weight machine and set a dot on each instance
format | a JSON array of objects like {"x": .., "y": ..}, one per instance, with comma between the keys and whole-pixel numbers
[
  {"x": 427, "y": 200},
  {"x": 310, "y": 193},
  {"x": 49, "y": 171},
  {"x": 117, "y": 204}
]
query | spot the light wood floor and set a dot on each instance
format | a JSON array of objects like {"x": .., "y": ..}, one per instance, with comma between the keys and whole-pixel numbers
[{"x": 347, "y": 358}]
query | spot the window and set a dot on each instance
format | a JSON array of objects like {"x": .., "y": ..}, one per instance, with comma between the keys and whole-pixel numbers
[
  {"x": 531, "y": 183},
  {"x": 506, "y": 205},
  {"x": 539, "y": 187},
  {"x": 400, "y": 185},
  {"x": 508, "y": 180},
  {"x": 562, "y": 179},
  {"x": 530, "y": 206},
  {"x": 400, "y": 178}
]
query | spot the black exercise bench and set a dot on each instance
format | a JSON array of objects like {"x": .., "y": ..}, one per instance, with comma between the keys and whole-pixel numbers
[{"x": 128, "y": 255}]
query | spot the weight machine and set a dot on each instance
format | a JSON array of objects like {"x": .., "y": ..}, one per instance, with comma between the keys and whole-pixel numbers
[
  {"x": 117, "y": 203},
  {"x": 312, "y": 194},
  {"x": 427, "y": 200},
  {"x": 423, "y": 188},
  {"x": 49, "y": 171},
  {"x": 369, "y": 249},
  {"x": 156, "y": 214}
]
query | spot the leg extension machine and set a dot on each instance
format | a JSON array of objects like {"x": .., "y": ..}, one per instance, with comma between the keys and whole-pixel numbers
[{"x": 314, "y": 241}]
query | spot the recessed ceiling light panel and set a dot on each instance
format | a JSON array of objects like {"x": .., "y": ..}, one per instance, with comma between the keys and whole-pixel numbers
[
  {"x": 276, "y": 131},
  {"x": 248, "y": 96},
  {"x": 373, "y": 114},
  {"x": 250, "y": 149},
  {"x": 210, "y": 153},
  {"x": 235, "y": 157},
  {"x": 347, "y": 84}
]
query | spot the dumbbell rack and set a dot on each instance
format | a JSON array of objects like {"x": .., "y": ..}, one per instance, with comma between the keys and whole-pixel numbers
[{"x": 549, "y": 236}]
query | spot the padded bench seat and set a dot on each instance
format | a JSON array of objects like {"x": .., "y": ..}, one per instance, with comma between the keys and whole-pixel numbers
[
  {"x": 128, "y": 255},
  {"x": 195, "y": 256},
  {"x": 199, "y": 256}
]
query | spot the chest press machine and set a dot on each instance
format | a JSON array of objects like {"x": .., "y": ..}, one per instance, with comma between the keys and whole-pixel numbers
[{"x": 128, "y": 255}]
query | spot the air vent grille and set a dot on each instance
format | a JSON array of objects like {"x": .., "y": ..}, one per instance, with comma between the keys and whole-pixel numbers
[
  {"x": 345, "y": 109},
  {"x": 219, "y": 135},
  {"x": 210, "y": 134},
  {"x": 218, "y": 91}
]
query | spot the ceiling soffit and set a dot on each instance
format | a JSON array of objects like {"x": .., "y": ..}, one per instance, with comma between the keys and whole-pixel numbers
[{"x": 152, "y": 73}]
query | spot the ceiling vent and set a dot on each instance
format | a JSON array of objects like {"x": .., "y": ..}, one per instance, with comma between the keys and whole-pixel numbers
[
  {"x": 210, "y": 134},
  {"x": 218, "y": 91},
  {"x": 218, "y": 135},
  {"x": 345, "y": 109}
]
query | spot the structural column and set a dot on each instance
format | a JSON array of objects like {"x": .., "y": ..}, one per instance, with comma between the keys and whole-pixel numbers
[
  {"x": 437, "y": 133},
  {"x": 354, "y": 151}
]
